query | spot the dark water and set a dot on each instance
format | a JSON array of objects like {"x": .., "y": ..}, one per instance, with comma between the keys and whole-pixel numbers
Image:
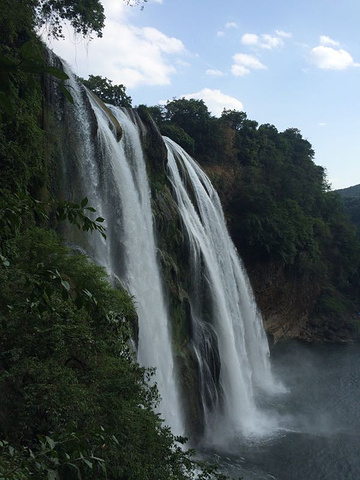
[{"x": 317, "y": 434}]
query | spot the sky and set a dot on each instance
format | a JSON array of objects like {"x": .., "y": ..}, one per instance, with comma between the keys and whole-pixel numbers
[{"x": 289, "y": 63}]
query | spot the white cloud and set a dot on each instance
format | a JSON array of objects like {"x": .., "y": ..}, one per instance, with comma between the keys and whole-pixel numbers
[
  {"x": 328, "y": 58},
  {"x": 227, "y": 26},
  {"x": 321, "y": 124},
  {"x": 250, "y": 39},
  {"x": 265, "y": 40},
  {"x": 239, "y": 70},
  {"x": 243, "y": 64},
  {"x": 214, "y": 73},
  {"x": 231, "y": 25},
  {"x": 327, "y": 41},
  {"x": 126, "y": 54},
  {"x": 281, "y": 33},
  {"x": 160, "y": 40},
  {"x": 270, "y": 41},
  {"x": 216, "y": 101},
  {"x": 183, "y": 63}
]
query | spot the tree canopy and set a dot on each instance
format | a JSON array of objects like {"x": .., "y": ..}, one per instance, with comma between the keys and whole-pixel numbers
[
  {"x": 276, "y": 199},
  {"x": 85, "y": 16},
  {"x": 109, "y": 93}
]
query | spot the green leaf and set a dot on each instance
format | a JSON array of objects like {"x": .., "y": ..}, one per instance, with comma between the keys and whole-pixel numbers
[
  {"x": 67, "y": 94},
  {"x": 5, "y": 261},
  {"x": 84, "y": 202},
  {"x": 28, "y": 51},
  {"x": 66, "y": 285},
  {"x": 100, "y": 219},
  {"x": 50, "y": 442},
  {"x": 57, "y": 72},
  {"x": 52, "y": 475},
  {"x": 87, "y": 462},
  {"x": 97, "y": 459}
]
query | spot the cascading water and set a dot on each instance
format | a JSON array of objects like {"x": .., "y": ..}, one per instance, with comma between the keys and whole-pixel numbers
[
  {"x": 226, "y": 339},
  {"x": 115, "y": 171},
  {"x": 228, "y": 315}
]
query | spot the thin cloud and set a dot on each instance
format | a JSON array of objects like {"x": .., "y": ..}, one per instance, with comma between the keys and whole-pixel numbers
[
  {"x": 264, "y": 41},
  {"x": 327, "y": 41},
  {"x": 231, "y": 25},
  {"x": 281, "y": 33},
  {"x": 220, "y": 33},
  {"x": 244, "y": 64},
  {"x": 214, "y": 73},
  {"x": 216, "y": 100}
]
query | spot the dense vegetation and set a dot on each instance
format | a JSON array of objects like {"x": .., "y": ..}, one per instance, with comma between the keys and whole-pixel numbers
[
  {"x": 351, "y": 198},
  {"x": 74, "y": 402},
  {"x": 279, "y": 206},
  {"x": 109, "y": 93}
]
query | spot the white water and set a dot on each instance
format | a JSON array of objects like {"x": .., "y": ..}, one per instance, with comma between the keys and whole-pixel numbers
[
  {"x": 243, "y": 347},
  {"x": 116, "y": 174},
  {"x": 228, "y": 341}
]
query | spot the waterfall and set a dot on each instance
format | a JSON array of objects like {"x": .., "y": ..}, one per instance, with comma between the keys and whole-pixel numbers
[
  {"x": 113, "y": 174},
  {"x": 222, "y": 306},
  {"x": 225, "y": 345}
]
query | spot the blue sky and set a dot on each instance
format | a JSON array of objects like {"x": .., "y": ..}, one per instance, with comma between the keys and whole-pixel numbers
[{"x": 288, "y": 63}]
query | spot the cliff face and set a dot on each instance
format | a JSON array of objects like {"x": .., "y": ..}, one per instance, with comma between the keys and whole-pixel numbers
[
  {"x": 288, "y": 307},
  {"x": 288, "y": 299}
]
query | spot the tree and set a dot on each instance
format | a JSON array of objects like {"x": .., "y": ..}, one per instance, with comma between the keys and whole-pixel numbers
[
  {"x": 85, "y": 16},
  {"x": 194, "y": 118},
  {"x": 233, "y": 118},
  {"x": 109, "y": 93}
]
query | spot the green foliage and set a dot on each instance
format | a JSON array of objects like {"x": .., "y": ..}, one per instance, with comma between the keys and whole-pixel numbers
[
  {"x": 67, "y": 368},
  {"x": 351, "y": 199},
  {"x": 179, "y": 136},
  {"x": 85, "y": 16},
  {"x": 233, "y": 118},
  {"x": 109, "y": 93},
  {"x": 277, "y": 201},
  {"x": 190, "y": 122},
  {"x": 19, "y": 210}
]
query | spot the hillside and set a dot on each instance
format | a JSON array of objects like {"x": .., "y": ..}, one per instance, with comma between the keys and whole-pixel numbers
[
  {"x": 300, "y": 250},
  {"x": 351, "y": 198}
]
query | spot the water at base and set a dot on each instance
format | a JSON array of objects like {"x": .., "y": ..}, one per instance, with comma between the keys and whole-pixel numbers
[{"x": 318, "y": 431}]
